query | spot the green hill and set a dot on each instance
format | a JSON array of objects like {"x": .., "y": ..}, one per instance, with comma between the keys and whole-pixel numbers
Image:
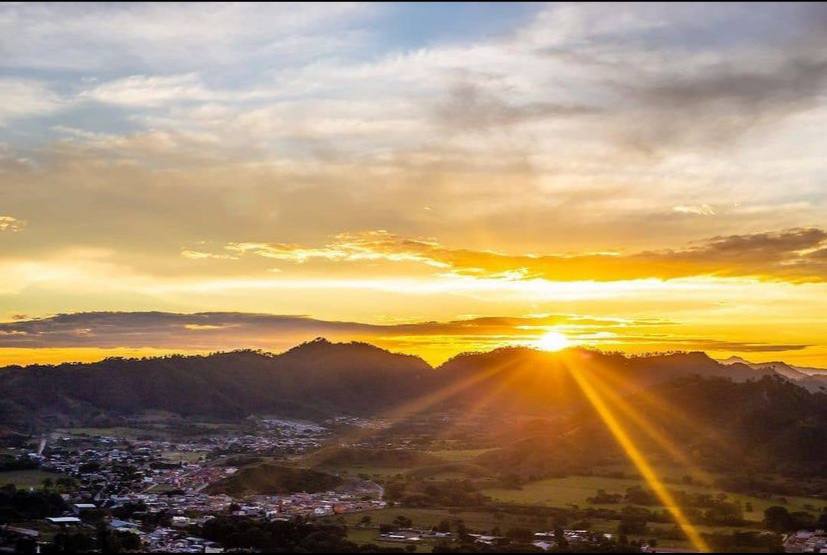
[
  {"x": 335, "y": 457},
  {"x": 272, "y": 479}
]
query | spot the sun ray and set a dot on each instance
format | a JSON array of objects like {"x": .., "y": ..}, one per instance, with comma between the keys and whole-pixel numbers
[
  {"x": 661, "y": 439},
  {"x": 671, "y": 411},
  {"x": 483, "y": 402},
  {"x": 638, "y": 459},
  {"x": 424, "y": 402}
]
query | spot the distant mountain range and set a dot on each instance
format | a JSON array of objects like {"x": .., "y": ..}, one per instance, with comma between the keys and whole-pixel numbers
[
  {"x": 772, "y": 415},
  {"x": 321, "y": 378},
  {"x": 812, "y": 379}
]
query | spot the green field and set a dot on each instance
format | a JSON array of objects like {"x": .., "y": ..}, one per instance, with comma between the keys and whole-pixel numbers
[
  {"x": 363, "y": 536},
  {"x": 458, "y": 455},
  {"x": 373, "y": 472},
  {"x": 27, "y": 478},
  {"x": 426, "y": 518},
  {"x": 116, "y": 432},
  {"x": 183, "y": 456},
  {"x": 575, "y": 490}
]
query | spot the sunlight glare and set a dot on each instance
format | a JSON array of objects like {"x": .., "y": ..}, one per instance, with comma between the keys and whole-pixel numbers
[{"x": 552, "y": 341}]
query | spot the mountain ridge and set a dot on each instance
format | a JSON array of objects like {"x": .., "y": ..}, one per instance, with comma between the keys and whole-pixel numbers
[{"x": 319, "y": 376}]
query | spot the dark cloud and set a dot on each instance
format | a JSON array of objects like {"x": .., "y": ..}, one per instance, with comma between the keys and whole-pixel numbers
[
  {"x": 230, "y": 330},
  {"x": 716, "y": 106},
  {"x": 222, "y": 330},
  {"x": 697, "y": 77},
  {"x": 471, "y": 107}
]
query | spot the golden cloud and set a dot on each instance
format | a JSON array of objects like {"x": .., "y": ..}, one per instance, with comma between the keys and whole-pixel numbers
[
  {"x": 8, "y": 223},
  {"x": 794, "y": 255}
]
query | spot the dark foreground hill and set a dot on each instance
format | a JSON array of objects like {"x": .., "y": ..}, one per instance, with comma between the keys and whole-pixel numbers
[
  {"x": 719, "y": 412},
  {"x": 763, "y": 425},
  {"x": 322, "y": 378},
  {"x": 315, "y": 378}
]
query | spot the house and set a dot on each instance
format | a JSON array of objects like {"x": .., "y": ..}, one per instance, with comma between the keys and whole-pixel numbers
[
  {"x": 78, "y": 508},
  {"x": 123, "y": 525},
  {"x": 180, "y": 521},
  {"x": 64, "y": 520}
]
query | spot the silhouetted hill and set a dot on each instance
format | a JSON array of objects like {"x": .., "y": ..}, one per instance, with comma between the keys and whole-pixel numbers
[
  {"x": 527, "y": 378},
  {"x": 313, "y": 379},
  {"x": 765, "y": 425},
  {"x": 322, "y": 378}
]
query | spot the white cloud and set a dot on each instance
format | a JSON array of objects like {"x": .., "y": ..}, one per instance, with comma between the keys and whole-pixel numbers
[
  {"x": 24, "y": 98},
  {"x": 148, "y": 91},
  {"x": 169, "y": 35},
  {"x": 698, "y": 210}
]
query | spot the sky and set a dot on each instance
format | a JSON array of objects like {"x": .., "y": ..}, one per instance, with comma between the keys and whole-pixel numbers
[{"x": 431, "y": 178}]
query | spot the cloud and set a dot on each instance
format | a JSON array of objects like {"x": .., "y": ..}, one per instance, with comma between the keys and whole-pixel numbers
[
  {"x": 221, "y": 330},
  {"x": 790, "y": 255},
  {"x": 21, "y": 98},
  {"x": 231, "y": 330},
  {"x": 149, "y": 91},
  {"x": 716, "y": 106},
  {"x": 472, "y": 107},
  {"x": 8, "y": 223},
  {"x": 699, "y": 210},
  {"x": 199, "y": 255},
  {"x": 113, "y": 37}
]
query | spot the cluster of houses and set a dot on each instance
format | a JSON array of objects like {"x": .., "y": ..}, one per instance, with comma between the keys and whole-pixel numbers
[
  {"x": 413, "y": 535},
  {"x": 806, "y": 541},
  {"x": 549, "y": 540},
  {"x": 113, "y": 473}
]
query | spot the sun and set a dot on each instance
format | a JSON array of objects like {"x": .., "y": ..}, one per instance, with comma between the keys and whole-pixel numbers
[{"x": 552, "y": 341}]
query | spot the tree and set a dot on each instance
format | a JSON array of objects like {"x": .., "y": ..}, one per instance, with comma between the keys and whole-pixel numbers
[
  {"x": 778, "y": 519},
  {"x": 560, "y": 538},
  {"x": 522, "y": 535}
]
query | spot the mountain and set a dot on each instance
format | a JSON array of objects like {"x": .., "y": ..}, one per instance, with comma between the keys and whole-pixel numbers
[
  {"x": 315, "y": 378},
  {"x": 535, "y": 379},
  {"x": 532, "y": 403},
  {"x": 764, "y": 425},
  {"x": 782, "y": 368},
  {"x": 812, "y": 379},
  {"x": 321, "y": 378}
]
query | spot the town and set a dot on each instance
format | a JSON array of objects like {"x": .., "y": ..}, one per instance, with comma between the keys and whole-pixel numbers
[{"x": 155, "y": 489}]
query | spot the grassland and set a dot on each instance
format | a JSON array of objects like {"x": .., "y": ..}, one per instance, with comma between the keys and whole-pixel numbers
[
  {"x": 575, "y": 490},
  {"x": 458, "y": 455},
  {"x": 27, "y": 478},
  {"x": 426, "y": 518},
  {"x": 182, "y": 456}
]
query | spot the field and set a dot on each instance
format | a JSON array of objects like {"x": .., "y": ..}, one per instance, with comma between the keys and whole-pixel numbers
[
  {"x": 574, "y": 490},
  {"x": 183, "y": 456},
  {"x": 116, "y": 432},
  {"x": 458, "y": 455},
  {"x": 26, "y": 478},
  {"x": 426, "y": 518}
]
